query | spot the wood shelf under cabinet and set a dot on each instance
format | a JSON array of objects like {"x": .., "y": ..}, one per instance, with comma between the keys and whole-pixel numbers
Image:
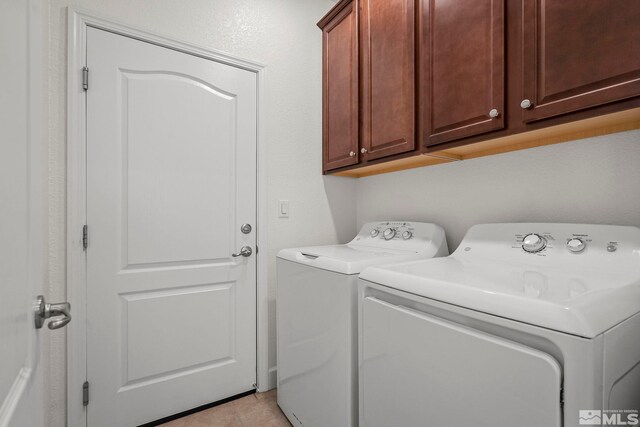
[{"x": 595, "y": 126}]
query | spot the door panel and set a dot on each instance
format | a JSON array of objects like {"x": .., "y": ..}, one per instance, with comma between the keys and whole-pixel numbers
[
  {"x": 449, "y": 374},
  {"x": 340, "y": 90},
  {"x": 579, "y": 54},
  {"x": 204, "y": 311},
  {"x": 160, "y": 205},
  {"x": 387, "y": 33},
  {"x": 13, "y": 187},
  {"x": 462, "y": 68},
  {"x": 21, "y": 213},
  {"x": 171, "y": 176}
]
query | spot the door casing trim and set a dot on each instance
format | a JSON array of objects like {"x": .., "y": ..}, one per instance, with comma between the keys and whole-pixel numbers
[{"x": 77, "y": 23}]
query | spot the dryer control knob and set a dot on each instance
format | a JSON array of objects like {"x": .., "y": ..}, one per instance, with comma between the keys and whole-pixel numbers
[
  {"x": 533, "y": 243},
  {"x": 407, "y": 235},
  {"x": 374, "y": 232},
  {"x": 389, "y": 233},
  {"x": 576, "y": 245}
]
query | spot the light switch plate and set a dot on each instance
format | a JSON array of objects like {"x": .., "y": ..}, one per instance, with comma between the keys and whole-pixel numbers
[{"x": 283, "y": 208}]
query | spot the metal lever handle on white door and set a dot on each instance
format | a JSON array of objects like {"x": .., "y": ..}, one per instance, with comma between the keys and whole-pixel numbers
[
  {"x": 244, "y": 251},
  {"x": 44, "y": 311}
]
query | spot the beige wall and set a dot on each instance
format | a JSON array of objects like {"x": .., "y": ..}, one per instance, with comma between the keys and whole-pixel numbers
[{"x": 279, "y": 33}]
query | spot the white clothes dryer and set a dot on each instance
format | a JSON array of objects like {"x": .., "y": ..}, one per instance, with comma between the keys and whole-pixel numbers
[
  {"x": 317, "y": 317},
  {"x": 534, "y": 325}
]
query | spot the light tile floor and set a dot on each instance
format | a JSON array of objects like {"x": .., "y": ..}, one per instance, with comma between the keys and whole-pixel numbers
[{"x": 260, "y": 409}]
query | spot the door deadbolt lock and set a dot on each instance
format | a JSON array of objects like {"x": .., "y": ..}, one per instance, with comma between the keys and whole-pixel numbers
[
  {"x": 246, "y": 228},
  {"x": 44, "y": 310}
]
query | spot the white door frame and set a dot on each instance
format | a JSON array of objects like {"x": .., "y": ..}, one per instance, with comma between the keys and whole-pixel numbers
[{"x": 78, "y": 21}]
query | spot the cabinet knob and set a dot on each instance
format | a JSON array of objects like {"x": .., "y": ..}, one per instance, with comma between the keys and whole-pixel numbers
[
  {"x": 493, "y": 113},
  {"x": 363, "y": 151},
  {"x": 526, "y": 104},
  {"x": 352, "y": 153}
]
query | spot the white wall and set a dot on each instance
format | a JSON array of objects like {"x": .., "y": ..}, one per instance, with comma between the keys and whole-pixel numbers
[
  {"x": 594, "y": 180},
  {"x": 279, "y": 33}
]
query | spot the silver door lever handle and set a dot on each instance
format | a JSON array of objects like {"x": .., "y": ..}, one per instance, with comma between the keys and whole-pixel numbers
[
  {"x": 44, "y": 311},
  {"x": 244, "y": 251}
]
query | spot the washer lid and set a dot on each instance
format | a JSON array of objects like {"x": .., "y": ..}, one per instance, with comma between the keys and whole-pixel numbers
[
  {"x": 582, "y": 294},
  {"x": 345, "y": 259},
  {"x": 407, "y": 241}
]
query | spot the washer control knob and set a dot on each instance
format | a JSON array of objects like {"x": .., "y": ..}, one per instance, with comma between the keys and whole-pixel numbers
[
  {"x": 407, "y": 235},
  {"x": 576, "y": 245},
  {"x": 533, "y": 243},
  {"x": 374, "y": 232},
  {"x": 389, "y": 233}
]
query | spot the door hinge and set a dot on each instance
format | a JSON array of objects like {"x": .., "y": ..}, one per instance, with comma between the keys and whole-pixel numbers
[
  {"x": 85, "y": 393},
  {"x": 85, "y": 237},
  {"x": 561, "y": 397},
  {"x": 85, "y": 78}
]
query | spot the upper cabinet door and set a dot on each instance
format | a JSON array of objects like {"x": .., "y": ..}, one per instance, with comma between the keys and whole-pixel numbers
[
  {"x": 340, "y": 89},
  {"x": 578, "y": 54},
  {"x": 387, "y": 36},
  {"x": 462, "y": 61}
]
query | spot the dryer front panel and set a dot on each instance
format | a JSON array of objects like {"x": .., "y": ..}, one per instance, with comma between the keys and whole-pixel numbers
[{"x": 417, "y": 369}]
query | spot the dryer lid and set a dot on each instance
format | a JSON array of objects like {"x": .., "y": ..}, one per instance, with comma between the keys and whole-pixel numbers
[{"x": 582, "y": 294}]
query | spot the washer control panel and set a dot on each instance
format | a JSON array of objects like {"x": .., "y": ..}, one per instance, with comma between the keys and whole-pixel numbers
[
  {"x": 401, "y": 235},
  {"x": 390, "y": 230}
]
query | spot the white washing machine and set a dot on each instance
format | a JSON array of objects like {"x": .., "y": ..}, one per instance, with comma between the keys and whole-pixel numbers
[
  {"x": 317, "y": 317},
  {"x": 529, "y": 325}
]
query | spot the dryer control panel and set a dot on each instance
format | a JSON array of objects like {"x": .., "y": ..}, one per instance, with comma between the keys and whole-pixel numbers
[{"x": 573, "y": 243}]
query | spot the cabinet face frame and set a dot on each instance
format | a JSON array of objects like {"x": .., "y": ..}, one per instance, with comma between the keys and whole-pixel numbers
[
  {"x": 376, "y": 140},
  {"x": 348, "y": 70},
  {"x": 478, "y": 120},
  {"x": 534, "y": 49}
]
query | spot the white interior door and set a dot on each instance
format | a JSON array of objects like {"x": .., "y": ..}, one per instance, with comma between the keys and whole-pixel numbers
[
  {"x": 20, "y": 377},
  {"x": 171, "y": 177}
]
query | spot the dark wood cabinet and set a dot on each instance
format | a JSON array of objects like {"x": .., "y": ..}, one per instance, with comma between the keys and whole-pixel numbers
[
  {"x": 462, "y": 63},
  {"x": 578, "y": 54},
  {"x": 408, "y": 83},
  {"x": 340, "y": 87},
  {"x": 387, "y": 39}
]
